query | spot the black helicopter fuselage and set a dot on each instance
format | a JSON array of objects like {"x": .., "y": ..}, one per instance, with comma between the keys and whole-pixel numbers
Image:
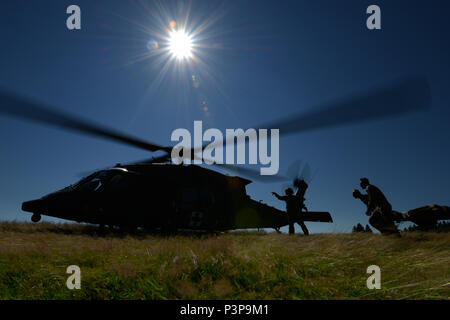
[
  {"x": 152, "y": 195},
  {"x": 159, "y": 196}
]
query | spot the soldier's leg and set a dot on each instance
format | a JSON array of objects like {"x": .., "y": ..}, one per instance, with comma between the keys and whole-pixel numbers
[
  {"x": 291, "y": 225},
  {"x": 382, "y": 223},
  {"x": 390, "y": 226},
  {"x": 376, "y": 221},
  {"x": 303, "y": 226},
  {"x": 291, "y": 228}
]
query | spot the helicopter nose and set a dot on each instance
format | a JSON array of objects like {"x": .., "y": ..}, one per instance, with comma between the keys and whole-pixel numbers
[{"x": 33, "y": 206}]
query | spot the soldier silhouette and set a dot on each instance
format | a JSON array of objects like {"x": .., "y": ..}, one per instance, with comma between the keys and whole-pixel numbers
[
  {"x": 294, "y": 205},
  {"x": 378, "y": 208}
]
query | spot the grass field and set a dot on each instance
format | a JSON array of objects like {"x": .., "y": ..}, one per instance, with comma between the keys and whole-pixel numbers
[{"x": 235, "y": 265}]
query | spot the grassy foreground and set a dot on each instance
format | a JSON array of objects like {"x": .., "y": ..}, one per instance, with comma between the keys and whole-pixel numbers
[{"x": 235, "y": 265}]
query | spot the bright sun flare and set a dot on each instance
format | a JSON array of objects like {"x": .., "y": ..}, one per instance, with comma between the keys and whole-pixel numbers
[{"x": 180, "y": 44}]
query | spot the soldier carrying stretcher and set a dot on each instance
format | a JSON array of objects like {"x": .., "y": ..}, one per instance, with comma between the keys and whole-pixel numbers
[{"x": 378, "y": 208}]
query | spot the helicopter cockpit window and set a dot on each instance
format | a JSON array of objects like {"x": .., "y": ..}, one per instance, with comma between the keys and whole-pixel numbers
[
  {"x": 119, "y": 183},
  {"x": 93, "y": 184},
  {"x": 96, "y": 182}
]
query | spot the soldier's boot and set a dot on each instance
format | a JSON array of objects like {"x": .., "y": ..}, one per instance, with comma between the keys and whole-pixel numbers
[{"x": 390, "y": 229}]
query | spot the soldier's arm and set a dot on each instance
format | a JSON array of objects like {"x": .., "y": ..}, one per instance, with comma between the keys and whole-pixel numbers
[
  {"x": 278, "y": 196},
  {"x": 371, "y": 198},
  {"x": 363, "y": 197}
]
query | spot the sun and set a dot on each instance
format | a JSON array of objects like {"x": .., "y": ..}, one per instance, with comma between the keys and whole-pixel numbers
[{"x": 180, "y": 44}]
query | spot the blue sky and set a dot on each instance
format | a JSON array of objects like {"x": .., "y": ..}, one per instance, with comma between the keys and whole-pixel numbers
[{"x": 260, "y": 60}]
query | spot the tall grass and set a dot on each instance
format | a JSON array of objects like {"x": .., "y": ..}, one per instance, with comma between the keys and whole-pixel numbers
[{"x": 234, "y": 265}]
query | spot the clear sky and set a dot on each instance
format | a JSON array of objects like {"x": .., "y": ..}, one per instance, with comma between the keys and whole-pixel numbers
[{"x": 256, "y": 61}]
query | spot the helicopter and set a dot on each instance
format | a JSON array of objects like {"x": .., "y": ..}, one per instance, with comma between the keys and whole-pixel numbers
[{"x": 157, "y": 194}]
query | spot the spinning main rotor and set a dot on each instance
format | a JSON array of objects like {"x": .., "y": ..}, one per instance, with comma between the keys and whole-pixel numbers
[{"x": 404, "y": 96}]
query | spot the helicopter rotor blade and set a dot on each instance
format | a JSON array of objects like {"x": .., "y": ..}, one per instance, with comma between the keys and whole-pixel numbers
[
  {"x": 159, "y": 159},
  {"x": 295, "y": 172},
  {"x": 248, "y": 172},
  {"x": 294, "y": 169},
  {"x": 306, "y": 173},
  {"x": 405, "y": 96},
  {"x": 251, "y": 173},
  {"x": 22, "y": 107}
]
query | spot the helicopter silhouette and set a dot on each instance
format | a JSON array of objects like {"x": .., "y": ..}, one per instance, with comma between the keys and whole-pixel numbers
[{"x": 157, "y": 195}]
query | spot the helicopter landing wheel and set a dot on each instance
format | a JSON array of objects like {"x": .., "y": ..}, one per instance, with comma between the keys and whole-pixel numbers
[{"x": 36, "y": 217}]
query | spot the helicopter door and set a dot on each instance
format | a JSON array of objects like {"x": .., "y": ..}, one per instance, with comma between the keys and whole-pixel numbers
[
  {"x": 188, "y": 199},
  {"x": 189, "y": 196},
  {"x": 188, "y": 206},
  {"x": 196, "y": 206}
]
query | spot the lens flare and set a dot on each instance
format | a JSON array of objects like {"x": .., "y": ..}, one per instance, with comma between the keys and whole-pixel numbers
[
  {"x": 180, "y": 44},
  {"x": 152, "y": 45}
]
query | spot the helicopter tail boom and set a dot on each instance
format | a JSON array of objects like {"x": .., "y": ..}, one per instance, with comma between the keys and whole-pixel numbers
[{"x": 316, "y": 216}]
